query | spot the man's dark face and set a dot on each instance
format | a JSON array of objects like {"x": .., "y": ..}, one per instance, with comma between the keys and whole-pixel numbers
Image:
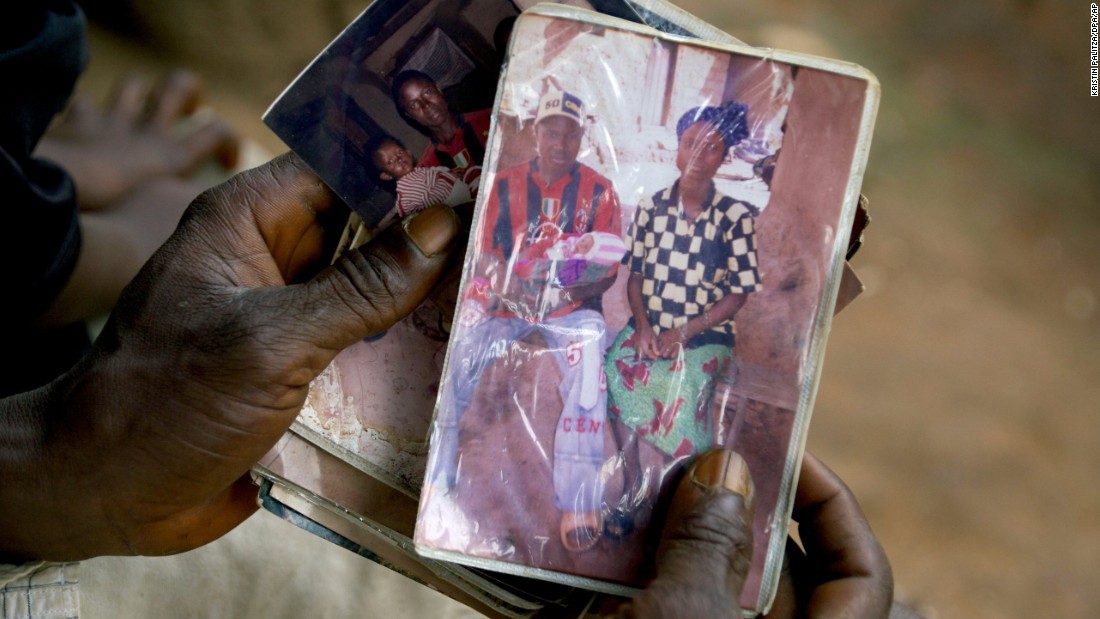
[
  {"x": 423, "y": 102},
  {"x": 559, "y": 141}
]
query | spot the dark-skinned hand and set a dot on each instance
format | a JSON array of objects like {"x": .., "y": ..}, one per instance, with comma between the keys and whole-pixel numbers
[
  {"x": 145, "y": 446},
  {"x": 705, "y": 552}
]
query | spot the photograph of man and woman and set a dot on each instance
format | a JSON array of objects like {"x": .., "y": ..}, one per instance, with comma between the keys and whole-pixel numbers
[{"x": 645, "y": 215}]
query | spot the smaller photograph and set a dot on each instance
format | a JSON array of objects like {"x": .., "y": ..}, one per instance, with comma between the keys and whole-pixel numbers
[{"x": 394, "y": 114}]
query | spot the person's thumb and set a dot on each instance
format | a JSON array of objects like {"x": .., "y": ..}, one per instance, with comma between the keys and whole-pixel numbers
[
  {"x": 369, "y": 289},
  {"x": 706, "y": 547}
]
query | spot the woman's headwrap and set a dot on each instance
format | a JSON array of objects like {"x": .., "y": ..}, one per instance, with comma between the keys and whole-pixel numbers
[{"x": 730, "y": 119}]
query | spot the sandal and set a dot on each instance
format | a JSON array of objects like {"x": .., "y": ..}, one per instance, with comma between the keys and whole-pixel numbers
[
  {"x": 619, "y": 525},
  {"x": 580, "y": 531},
  {"x": 623, "y": 520}
]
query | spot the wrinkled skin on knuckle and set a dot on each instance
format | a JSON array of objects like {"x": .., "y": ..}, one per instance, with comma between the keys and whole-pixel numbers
[
  {"x": 283, "y": 349},
  {"x": 277, "y": 207},
  {"x": 248, "y": 351},
  {"x": 715, "y": 528},
  {"x": 208, "y": 211},
  {"x": 374, "y": 287},
  {"x": 248, "y": 189},
  {"x": 209, "y": 352},
  {"x": 284, "y": 182},
  {"x": 703, "y": 562}
]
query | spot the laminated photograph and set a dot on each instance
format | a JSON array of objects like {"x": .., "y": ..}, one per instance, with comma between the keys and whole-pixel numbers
[{"x": 656, "y": 253}]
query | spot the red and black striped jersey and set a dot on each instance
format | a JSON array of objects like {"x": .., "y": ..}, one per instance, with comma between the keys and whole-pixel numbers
[
  {"x": 466, "y": 148},
  {"x": 522, "y": 209}
]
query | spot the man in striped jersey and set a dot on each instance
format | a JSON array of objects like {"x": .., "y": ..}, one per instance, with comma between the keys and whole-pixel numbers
[
  {"x": 457, "y": 139},
  {"x": 550, "y": 196}
]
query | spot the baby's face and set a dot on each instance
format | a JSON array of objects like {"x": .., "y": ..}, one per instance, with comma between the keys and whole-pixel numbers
[
  {"x": 701, "y": 152},
  {"x": 585, "y": 244},
  {"x": 393, "y": 160}
]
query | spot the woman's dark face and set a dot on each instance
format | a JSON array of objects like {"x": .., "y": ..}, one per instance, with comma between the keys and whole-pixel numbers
[{"x": 701, "y": 152}]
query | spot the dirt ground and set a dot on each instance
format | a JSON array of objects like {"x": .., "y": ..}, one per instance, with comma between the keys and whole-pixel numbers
[{"x": 960, "y": 392}]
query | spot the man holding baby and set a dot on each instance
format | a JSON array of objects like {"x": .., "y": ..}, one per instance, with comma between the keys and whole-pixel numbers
[{"x": 540, "y": 214}]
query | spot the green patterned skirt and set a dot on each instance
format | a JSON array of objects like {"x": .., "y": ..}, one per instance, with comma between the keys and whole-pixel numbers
[{"x": 667, "y": 402}]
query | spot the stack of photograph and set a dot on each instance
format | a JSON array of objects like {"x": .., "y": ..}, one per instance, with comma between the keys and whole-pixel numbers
[{"x": 659, "y": 221}]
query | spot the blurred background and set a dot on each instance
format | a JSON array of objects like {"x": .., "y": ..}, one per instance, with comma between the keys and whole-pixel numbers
[{"x": 960, "y": 392}]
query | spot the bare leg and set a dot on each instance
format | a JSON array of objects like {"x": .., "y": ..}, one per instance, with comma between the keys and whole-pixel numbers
[
  {"x": 141, "y": 134},
  {"x": 129, "y": 161},
  {"x": 115, "y": 244}
]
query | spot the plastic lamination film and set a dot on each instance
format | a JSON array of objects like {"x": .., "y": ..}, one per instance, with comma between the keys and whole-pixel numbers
[{"x": 656, "y": 250}]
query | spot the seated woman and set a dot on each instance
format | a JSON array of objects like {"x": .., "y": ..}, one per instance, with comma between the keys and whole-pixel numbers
[{"x": 692, "y": 264}]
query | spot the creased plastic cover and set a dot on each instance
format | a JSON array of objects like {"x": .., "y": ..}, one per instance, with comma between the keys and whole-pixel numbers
[{"x": 657, "y": 244}]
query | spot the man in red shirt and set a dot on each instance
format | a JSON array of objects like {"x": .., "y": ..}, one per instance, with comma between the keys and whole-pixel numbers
[
  {"x": 457, "y": 140},
  {"x": 549, "y": 196}
]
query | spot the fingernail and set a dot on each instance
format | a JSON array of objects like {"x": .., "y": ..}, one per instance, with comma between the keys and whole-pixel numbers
[
  {"x": 432, "y": 229},
  {"x": 724, "y": 469}
]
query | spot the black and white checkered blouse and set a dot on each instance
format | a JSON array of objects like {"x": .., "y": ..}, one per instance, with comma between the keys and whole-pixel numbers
[{"x": 688, "y": 266}]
